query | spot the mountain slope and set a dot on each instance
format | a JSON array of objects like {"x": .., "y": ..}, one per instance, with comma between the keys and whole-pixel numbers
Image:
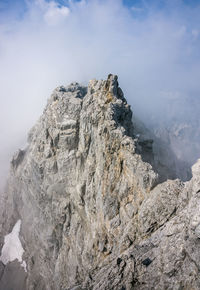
[{"x": 94, "y": 214}]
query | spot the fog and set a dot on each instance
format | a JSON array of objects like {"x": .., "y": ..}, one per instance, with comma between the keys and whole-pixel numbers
[{"x": 153, "y": 46}]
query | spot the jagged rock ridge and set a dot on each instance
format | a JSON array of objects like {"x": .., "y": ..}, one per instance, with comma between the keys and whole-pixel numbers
[{"x": 94, "y": 215}]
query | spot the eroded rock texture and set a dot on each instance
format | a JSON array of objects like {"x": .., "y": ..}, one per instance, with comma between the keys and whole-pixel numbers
[{"x": 94, "y": 214}]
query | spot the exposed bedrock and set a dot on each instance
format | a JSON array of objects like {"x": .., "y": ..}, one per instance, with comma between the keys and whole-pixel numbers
[{"x": 94, "y": 213}]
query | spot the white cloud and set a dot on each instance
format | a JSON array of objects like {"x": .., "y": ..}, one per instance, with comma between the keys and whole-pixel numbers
[
  {"x": 54, "y": 14},
  {"x": 137, "y": 9}
]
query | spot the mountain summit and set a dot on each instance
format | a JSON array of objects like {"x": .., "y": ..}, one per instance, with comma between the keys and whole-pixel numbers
[{"x": 93, "y": 211}]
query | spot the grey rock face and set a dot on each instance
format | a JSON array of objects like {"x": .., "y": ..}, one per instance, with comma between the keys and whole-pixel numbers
[
  {"x": 12, "y": 277},
  {"x": 93, "y": 214}
]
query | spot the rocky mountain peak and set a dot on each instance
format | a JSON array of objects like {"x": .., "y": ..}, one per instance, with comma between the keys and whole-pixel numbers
[{"x": 93, "y": 212}]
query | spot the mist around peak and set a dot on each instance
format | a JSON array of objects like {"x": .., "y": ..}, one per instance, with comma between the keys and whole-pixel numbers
[{"x": 153, "y": 46}]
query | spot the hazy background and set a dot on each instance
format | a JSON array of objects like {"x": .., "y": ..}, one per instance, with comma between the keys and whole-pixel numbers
[{"x": 154, "y": 47}]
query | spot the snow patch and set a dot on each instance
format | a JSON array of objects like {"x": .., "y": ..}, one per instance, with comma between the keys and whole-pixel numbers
[{"x": 12, "y": 248}]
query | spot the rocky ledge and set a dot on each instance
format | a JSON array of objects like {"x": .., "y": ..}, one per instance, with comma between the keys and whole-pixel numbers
[{"x": 93, "y": 213}]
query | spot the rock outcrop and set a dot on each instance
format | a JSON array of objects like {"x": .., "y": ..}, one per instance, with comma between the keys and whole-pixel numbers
[{"x": 94, "y": 213}]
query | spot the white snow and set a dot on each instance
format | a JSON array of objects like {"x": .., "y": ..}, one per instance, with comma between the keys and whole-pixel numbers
[{"x": 12, "y": 248}]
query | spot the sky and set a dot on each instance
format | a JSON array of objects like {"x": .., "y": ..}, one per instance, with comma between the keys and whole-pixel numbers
[{"x": 152, "y": 45}]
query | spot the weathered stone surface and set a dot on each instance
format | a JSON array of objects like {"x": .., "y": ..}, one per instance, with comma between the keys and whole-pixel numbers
[
  {"x": 12, "y": 277},
  {"x": 94, "y": 215}
]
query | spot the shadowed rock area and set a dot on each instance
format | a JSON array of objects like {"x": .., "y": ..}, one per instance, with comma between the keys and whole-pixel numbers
[
  {"x": 12, "y": 276},
  {"x": 94, "y": 211}
]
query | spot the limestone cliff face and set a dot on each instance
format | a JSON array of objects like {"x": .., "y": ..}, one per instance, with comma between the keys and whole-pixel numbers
[{"x": 93, "y": 213}]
